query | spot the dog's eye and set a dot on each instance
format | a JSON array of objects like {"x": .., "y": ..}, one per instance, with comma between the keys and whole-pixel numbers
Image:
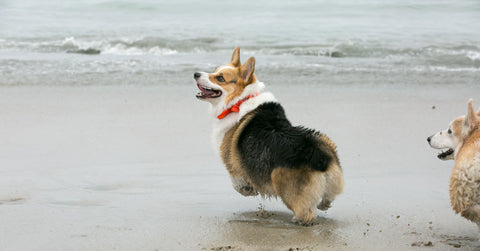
[
  {"x": 220, "y": 79},
  {"x": 449, "y": 131}
]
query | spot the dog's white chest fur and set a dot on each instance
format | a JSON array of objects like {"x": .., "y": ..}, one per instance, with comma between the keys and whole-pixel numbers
[{"x": 222, "y": 126}]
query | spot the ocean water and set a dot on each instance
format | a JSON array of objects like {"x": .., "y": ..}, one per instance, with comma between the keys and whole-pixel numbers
[{"x": 359, "y": 42}]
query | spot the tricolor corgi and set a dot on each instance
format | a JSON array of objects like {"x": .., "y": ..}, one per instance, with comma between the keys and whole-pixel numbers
[
  {"x": 263, "y": 153},
  {"x": 462, "y": 143}
]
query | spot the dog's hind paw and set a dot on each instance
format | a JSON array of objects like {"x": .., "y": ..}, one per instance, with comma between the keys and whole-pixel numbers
[
  {"x": 324, "y": 205},
  {"x": 302, "y": 223}
]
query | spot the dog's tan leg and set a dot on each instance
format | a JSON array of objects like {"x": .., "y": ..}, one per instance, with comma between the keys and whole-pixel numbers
[
  {"x": 473, "y": 214},
  {"x": 334, "y": 185},
  {"x": 300, "y": 190}
]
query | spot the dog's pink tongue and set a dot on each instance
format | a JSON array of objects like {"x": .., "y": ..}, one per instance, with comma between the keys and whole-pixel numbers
[
  {"x": 205, "y": 92},
  {"x": 202, "y": 89}
]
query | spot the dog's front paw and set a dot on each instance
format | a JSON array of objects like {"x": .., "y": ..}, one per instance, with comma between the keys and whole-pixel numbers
[
  {"x": 248, "y": 191},
  {"x": 243, "y": 187}
]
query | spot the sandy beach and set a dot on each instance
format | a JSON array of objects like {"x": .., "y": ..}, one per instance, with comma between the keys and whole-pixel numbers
[
  {"x": 103, "y": 145},
  {"x": 133, "y": 168}
]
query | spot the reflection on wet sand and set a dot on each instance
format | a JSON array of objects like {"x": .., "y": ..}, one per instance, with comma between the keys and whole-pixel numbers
[{"x": 276, "y": 230}]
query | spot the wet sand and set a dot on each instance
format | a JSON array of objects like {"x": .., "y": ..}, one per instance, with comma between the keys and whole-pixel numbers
[{"x": 133, "y": 168}]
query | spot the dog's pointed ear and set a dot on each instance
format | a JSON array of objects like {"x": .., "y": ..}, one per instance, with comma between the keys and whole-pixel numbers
[
  {"x": 235, "y": 59},
  {"x": 471, "y": 119},
  {"x": 247, "y": 70}
]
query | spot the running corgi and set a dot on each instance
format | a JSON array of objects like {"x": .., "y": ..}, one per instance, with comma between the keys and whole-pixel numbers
[
  {"x": 263, "y": 153},
  {"x": 462, "y": 143}
]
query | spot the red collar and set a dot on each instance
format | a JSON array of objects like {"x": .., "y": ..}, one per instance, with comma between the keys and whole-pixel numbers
[{"x": 235, "y": 107}]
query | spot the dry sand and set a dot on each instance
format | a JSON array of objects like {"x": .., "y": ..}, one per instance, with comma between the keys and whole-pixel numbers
[{"x": 133, "y": 168}]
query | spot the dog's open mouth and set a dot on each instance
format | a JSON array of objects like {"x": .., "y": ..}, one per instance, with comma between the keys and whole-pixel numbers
[
  {"x": 206, "y": 92},
  {"x": 445, "y": 154}
]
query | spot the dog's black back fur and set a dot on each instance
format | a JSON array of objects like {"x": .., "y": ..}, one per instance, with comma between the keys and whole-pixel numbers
[{"x": 270, "y": 141}]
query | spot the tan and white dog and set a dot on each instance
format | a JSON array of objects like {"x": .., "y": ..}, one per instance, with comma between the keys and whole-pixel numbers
[
  {"x": 462, "y": 143},
  {"x": 263, "y": 153}
]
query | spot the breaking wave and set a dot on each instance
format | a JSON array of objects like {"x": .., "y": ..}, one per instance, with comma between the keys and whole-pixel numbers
[
  {"x": 452, "y": 57},
  {"x": 160, "y": 46},
  {"x": 122, "y": 46}
]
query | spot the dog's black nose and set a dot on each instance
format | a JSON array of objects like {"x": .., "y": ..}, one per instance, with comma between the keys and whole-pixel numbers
[
  {"x": 429, "y": 138},
  {"x": 196, "y": 75}
]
